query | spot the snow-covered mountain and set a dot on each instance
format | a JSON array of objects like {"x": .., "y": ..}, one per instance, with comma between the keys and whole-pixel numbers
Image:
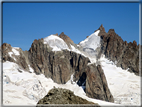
[{"x": 88, "y": 69}]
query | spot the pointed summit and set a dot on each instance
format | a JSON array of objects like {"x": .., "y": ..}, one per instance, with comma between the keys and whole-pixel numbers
[
  {"x": 66, "y": 39},
  {"x": 101, "y": 28}
]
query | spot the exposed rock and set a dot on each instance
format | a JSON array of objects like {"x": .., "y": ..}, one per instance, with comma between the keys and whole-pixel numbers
[
  {"x": 56, "y": 34},
  {"x": 6, "y": 48},
  {"x": 56, "y": 65},
  {"x": 9, "y": 55},
  {"x": 60, "y": 65},
  {"x": 63, "y": 96},
  {"x": 102, "y": 30},
  {"x": 114, "y": 48},
  {"x": 67, "y": 40},
  {"x": 93, "y": 78}
]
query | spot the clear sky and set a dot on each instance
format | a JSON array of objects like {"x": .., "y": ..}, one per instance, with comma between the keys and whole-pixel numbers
[{"x": 24, "y": 22}]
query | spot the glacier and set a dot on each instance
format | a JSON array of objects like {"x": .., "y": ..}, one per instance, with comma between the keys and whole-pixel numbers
[{"x": 28, "y": 88}]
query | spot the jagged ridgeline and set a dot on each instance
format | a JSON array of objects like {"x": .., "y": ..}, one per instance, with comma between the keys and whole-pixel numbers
[
  {"x": 125, "y": 55},
  {"x": 58, "y": 57}
]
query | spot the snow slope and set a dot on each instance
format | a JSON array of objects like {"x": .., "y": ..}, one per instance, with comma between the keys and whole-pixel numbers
[
  {"x": 92, "y": 42},
  {"x": 27, "y": 88},
  {"x": 56, "y": 43},
  {"x": 91, "y": 46},
  {"x": 124, "y": 86},
  {"x": 14, "y": 52}
]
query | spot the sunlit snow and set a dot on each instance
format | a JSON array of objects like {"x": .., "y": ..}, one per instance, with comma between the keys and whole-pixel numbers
[
  {"x": 15, "y": 51},
  {"x": 55, "y": 42},
  {"x": 76, "y": 50},
  {"x": 24, "y": 88},
  {"x": 124, "y": 86},
  {"x": 92, "y": 42},
  {"x": 27, "y": 88}
]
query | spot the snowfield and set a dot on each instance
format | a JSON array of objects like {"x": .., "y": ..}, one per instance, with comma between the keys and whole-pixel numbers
[
  {"x": 92, "y": 42},
  {"x": 56, "y": 43},
  {"x": 27, "y": 88},
  {"x": 124, "y": 86}
]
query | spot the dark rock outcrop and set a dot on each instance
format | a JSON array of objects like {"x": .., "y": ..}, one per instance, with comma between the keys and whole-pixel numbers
[
  {"x": 60, "y": 65},
  {"x": 63, "y": 96},
  {"x": 102, "y": 30},
  {"x": 125, "y": 55},
  {"x": 96, "y": 84},
  {"x": 67, "y": 40},
  {"x": 94, "y": 81},
  {"x": 56, "y": 65},
  {"x": 9, "y": 55}
]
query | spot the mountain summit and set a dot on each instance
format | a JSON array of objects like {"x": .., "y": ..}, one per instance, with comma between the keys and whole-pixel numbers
[{"x": 85, "y": 66}]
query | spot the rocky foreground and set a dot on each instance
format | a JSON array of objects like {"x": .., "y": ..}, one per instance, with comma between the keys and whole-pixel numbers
[
  {"x": 63, "y": 96},
  {"x": 58, "y": 58}
]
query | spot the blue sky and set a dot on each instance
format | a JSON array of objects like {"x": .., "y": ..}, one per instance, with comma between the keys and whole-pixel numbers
[{"x": 24, "y": 22}]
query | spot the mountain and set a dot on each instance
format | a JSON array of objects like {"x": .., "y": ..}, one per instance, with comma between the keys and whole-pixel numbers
[
  {"x": 85, "y": 65},
  {"x": 125, "y": 55}
]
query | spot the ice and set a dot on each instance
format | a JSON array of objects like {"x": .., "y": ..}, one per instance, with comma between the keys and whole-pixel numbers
[
  {"x": 29, "y": 88},
  {"x": 92, "y": 42},
  {"x": 91, "y": 46},
  {"x": 76, "y": 50},
  {"x": 124, "y": 86},
  {"x": 56, "y": 43}
]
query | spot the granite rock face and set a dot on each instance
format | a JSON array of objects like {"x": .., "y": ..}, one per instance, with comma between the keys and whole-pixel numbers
[
  {"x": 56, "y": 65},
  {"x": 19, "y": 57},
  {"x": 125, "y": 55},
  {"x": 63, "y": 96},
  {"x": 60, "y": 65},
  {"x": 96, "y": 84},
  {"x": 67, "y": 39}
]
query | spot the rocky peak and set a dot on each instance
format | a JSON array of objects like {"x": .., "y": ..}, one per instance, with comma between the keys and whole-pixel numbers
[
  {"x": 134, "y": 43},
  {"x": 6, "y": 47},
  {"x": 111, "y": 31},
  {"x": 59, "y": 66},
  {"x": 65, "y": 37},
  {"x": 67, "y": 40},
  {"x": 101, "y": 28},
  {"x": 115, "y": 49},
  {"x": 56, "y": 34}
]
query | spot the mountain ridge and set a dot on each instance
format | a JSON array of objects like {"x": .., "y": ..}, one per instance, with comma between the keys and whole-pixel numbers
[{"x": 49, "y": 57}]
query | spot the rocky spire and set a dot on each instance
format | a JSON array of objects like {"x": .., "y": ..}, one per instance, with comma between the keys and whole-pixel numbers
[
  {"x": 101, "y": 28},
  {"x": 66, "y": 39}
]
